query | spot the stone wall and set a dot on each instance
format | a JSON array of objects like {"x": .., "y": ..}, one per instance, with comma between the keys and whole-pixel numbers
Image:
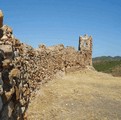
[{"x": 23, "y": 69}]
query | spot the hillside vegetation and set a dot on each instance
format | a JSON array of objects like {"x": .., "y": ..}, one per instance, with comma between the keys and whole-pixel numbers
[{"x": 108, "y": 64}]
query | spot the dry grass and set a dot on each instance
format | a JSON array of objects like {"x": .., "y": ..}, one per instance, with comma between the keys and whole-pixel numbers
[{"x": 86, "y": 95}]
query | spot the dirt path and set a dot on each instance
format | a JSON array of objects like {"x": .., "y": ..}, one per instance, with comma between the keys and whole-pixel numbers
[{"x": 86, "y": 95}]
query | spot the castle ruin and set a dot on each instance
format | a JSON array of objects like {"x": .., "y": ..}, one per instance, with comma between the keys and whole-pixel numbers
[{"x": 23, "y": 69}]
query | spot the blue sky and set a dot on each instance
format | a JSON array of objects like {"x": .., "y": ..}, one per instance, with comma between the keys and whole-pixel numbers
[{"x": 53, "y": 22}]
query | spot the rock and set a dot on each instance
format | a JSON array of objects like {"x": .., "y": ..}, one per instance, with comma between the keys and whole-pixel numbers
[
  {"x": 6, "y": 48},
  {"x": 7, "y": 111},
  {"x": 8, "y": 31},
  {"x": 1, "y": 104},
  {"x": 17, "y": 92},
  {"x": 1, "y": 89},
  {"x": 1, "y": 59},
  {"x": 14, "y": 76},
  {"x": 8, "y": 51},
  {"x": 23, "y": 109},
  {"x": 1, "y": 19},
  {"x": 5, "y": 78},
  {"x": 1, "y": 33},
  {"x": 8, "y": 95},
  {"x": 10, "y": 109},
  {"x": 6, "y": 63}
]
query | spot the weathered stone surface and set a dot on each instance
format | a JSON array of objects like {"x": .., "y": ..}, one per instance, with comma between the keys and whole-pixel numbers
[
  {"x": 85, "y": 47},
  {"x": 1, "y": 104},
  {"x": 6, "y": 48},
  {"x": 1, "y": 19},
  {"x": 1, "y": 34},
  {"x": 7, "y": 95}
]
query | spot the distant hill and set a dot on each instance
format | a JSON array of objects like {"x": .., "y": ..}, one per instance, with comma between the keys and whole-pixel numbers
[
  {"x": 107, "y": 58},
  {"x": 108, "y": 64}
]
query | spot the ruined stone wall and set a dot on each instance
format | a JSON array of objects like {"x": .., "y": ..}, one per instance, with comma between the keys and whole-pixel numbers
[{"x": 23, "y": 69}]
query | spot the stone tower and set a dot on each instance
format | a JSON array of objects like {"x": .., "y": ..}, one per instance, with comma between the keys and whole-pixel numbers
[
  {"x": 1, "y": 19},
  {"x": 85, "y": 48}
]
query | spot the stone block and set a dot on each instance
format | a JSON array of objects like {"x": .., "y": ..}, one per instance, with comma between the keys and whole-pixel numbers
[{"x": 8, "y": 51}]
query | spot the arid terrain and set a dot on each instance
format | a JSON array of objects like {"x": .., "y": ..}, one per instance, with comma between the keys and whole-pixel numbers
[{"x": 82, "y": 95}]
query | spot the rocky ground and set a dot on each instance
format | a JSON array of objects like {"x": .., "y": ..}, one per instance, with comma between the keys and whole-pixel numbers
[{"x": 86, "y": 95}]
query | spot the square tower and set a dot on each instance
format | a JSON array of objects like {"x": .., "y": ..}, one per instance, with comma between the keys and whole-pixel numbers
[{"x": 85, "y": 48}]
